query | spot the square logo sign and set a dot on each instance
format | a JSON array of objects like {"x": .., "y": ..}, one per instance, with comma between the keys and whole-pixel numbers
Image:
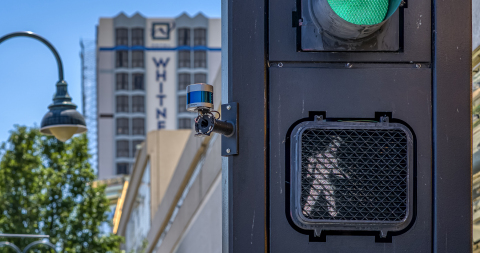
[{"x": 160, "y": 31}]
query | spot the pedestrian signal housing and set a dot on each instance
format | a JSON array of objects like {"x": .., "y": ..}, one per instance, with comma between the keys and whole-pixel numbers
[{"x": 351, "y": 176}]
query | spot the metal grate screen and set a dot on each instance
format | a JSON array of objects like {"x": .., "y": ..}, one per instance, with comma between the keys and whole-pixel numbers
[{"x": 352, "y": 174}]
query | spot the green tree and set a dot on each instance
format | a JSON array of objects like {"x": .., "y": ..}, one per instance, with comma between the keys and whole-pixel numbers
[{"x": 46, "y": 188}]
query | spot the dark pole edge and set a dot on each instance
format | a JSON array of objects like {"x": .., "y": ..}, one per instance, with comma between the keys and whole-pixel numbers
[{"x": 44, "y": 41}]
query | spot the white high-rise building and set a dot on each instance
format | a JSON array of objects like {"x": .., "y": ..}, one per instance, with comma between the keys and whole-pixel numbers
[{"x": 143, "y": 67}]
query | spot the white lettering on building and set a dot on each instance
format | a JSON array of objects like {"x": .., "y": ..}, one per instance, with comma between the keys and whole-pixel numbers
[{"x": 160, "y": 78}]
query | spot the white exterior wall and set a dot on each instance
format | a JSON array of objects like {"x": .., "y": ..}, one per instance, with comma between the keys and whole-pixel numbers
[
  {"x": 106, "y": 148},
  {"x": 106, "y": 80},
  {"x": 139, "y": 222},
  {"x": 199, "y": 208},
  {"x": 214, "y": 61},
  {"x": 214, "y": 33},
  {"x": 204, "y": 234},
  {"x": 105, "y": 33},
  {"x": 475, "y": 24},
  {"x": 105, "y": 98},
  {"x": 214, "y": 58}
]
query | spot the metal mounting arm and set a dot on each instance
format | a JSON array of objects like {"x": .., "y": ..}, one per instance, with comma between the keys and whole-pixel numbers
[{"x": 205, "y": 124}]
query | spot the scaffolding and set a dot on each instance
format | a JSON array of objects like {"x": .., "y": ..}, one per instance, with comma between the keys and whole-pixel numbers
[{"x": 89, "y": 96}]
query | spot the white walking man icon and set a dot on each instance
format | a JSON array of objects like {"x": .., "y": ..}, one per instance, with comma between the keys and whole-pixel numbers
[{"x": 322, "y": 168}]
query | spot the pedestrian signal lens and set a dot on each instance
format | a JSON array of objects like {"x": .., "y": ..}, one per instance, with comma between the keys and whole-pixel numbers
[{"x": 351, "y": 176}]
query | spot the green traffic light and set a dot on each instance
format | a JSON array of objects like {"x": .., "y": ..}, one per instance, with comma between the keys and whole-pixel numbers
[{"x": 361, "y": 12}]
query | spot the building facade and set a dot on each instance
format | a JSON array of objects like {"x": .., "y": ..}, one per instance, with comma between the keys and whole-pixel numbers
[
  {"x": 173, "y": 201},
  {"x": 143, "y": 67},
  {"x": 476, "y": 147},
  {"x": 476, "y": 126}
]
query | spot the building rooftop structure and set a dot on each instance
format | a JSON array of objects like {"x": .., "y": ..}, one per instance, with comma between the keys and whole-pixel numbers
[{"x": 143, "y": 67}]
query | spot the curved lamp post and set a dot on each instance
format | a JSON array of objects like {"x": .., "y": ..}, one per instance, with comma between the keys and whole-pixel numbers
[
  {"x": 62, "y": 120},
  {"x": 10, "y": 245}
]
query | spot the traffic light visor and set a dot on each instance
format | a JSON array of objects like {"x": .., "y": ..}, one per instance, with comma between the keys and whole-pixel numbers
[{"x": 361, "y": 12}]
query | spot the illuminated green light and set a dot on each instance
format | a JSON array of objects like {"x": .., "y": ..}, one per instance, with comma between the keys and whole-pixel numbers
[{"x": 361, "y": 12}]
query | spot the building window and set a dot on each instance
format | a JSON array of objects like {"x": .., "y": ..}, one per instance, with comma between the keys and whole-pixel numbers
[
  {"x": 122, "y": 126},
  {"x": 138, "y": 81},
  {"x": 122, "y": 168},
  {"x": 182, "y": 103},
  {"x": 184, "y": 59},
  {"x": 123, "y": 149},
  {"x": 183, "y": 81},
  {"x": 137, "y": 37},
  {"x": 185, "y": 123},
  {"x": 121, "y": 59},
  {"x": 200, "y": 78},
  {"x": 136, "y": 146},
  {"x": 122, "y": 103},
  {"x": 200, "y": 37},
  {"x": 138, "y": 104},
  {"x": 138, "y": 127},
  {"x": 137, "y": 59},
  {"x": 122, "y": 81},
  {"x": 200, "y": 59},
  {"x": 183, "y": 37},
  {"x": 121, "y": 37}
]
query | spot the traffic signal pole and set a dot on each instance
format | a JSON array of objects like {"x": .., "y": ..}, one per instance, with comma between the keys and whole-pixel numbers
[
  {"x": 452, "y": 126},
  {"x": 244, "y": 80},
  {"x": 287, "y": 71}
]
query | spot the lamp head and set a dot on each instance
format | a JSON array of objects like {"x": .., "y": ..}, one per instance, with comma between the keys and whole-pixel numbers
[{"x": 63, "y": 120}]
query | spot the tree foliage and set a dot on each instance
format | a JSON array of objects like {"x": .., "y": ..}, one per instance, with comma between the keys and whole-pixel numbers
[{"x": 46, "y": 188}]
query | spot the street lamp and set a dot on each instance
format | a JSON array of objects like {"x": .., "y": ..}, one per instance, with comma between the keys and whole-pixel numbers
[{"x": 62, "y": 120}]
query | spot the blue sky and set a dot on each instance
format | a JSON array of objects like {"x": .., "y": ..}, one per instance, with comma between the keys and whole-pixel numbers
[{"x": 28, "y": 71}]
